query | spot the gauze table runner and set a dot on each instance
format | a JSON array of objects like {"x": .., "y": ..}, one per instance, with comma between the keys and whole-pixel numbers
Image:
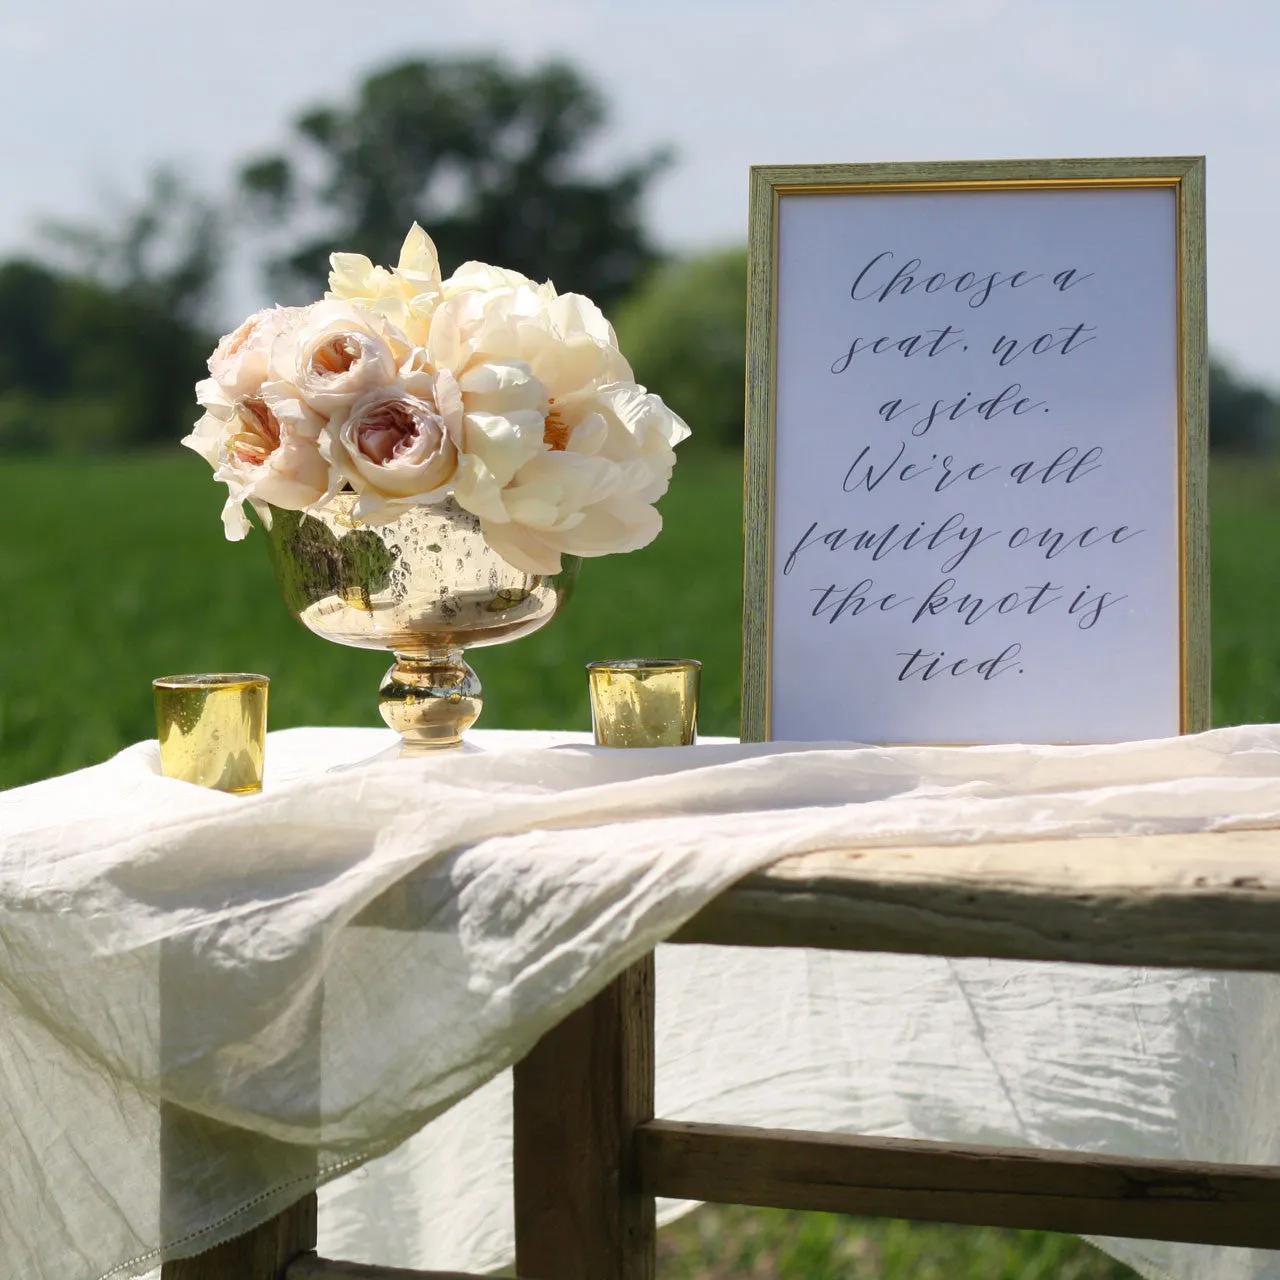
[{"x": 361, "y": 952}]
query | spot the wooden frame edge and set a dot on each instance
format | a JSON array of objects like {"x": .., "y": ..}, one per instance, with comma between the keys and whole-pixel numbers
[
  {"x": 758, "y": 470},
  {"x": 1194, "y": 395},
  {"x": 311, "y": 1267}
]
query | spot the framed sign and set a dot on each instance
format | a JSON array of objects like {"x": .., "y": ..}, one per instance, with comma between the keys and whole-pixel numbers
[{"x": 976, "y": 453}]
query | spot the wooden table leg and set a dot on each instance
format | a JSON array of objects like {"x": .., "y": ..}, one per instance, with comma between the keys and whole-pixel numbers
[
  {"x": 580, "y": 1210},
  {"x": 261, "y": 1254}
]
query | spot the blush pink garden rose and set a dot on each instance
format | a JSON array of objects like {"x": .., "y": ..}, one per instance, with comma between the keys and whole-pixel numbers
[
  {"x": 398, "y": 448},
  {"x": 240, "y": 363},
  {"x": 264, "y": 447},
  {"x": 336, "y": 352}
]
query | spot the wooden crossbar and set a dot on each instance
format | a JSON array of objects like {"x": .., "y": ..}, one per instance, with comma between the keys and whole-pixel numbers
[
  {"x": 309, "y": 1267},
  {"x": 980, "y": 1186}
]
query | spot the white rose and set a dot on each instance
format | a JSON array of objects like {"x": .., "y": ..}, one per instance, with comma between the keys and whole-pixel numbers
[
  {"x": 337, "y": 352},
  {"x": 240, "y": 361},
  {"x": 264, "y": 447},
  {"x": 406, "y": 295},
  {"x": 398, "y": 448}
]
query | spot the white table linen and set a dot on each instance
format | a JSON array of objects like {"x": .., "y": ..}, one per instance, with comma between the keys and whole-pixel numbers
[{"x": 403, "y": 931}]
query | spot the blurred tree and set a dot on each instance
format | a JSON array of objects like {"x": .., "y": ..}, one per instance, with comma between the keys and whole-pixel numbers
[
  {"x": 1242, "y": 418},
  {"x": 30, "y": 353},
  {"x": 102, "y": 351},
  {"x": 486, "y": 158},
  {"x": 86, "y": 368},
  {"x": 165, "y": 254},
  {"x": 685, "y": 332}
]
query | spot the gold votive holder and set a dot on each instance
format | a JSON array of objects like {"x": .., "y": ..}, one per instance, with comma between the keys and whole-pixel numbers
[
  {"x": 212, "y": 729},
  {"x": 644, "y": 702}
]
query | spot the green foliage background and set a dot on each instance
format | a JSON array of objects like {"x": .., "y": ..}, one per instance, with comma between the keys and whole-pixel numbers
[
  {"x": 116, "y": 570},
  {"x": 85, "y": 369},
  {"x": 684, "y": 329},
  {"x": 483, "y": 154}
]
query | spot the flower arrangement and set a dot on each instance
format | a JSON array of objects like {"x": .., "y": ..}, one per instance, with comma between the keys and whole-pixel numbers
[{"x": 409, "y": 389}]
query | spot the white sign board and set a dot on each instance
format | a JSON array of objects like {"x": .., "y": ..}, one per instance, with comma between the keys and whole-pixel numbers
[{"x": 978, "y": 465}]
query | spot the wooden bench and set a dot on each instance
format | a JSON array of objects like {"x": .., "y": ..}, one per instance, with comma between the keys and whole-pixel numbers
[{"x": 590, "y": 1157}]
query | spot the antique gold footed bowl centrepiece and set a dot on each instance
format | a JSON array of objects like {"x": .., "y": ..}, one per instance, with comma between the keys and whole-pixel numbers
[{"x": 426, "y": 586}]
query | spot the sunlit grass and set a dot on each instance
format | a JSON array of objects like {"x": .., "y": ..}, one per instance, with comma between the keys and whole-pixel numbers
[
  {"x": 1245, "y": 504},
  {"x": 115, "y": 572},
  {"x": 731, "y": 1243}
]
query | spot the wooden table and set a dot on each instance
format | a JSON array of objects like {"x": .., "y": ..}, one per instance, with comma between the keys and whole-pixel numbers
[{"x": 590, "y": 1157}]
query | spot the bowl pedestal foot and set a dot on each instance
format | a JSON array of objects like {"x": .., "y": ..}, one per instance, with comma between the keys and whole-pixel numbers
[{"x": 430, "y": 700}]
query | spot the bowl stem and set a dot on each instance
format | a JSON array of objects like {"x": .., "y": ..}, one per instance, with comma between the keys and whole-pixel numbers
[{"x": 430, "y": 700}]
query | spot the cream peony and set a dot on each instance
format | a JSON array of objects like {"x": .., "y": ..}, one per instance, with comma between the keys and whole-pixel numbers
[
  {"x": 503, "y": 428},
  {"x": 598, "y": 498},
  {"x": 406, "y": 295},
  {"x": 337, "y": 352},
  {"x": 480, "y": 278},
  {"x": 264, "y": 447},
  {"x": 398, "y": 448},
  {"x": 594, "y": 410},
  {"x": 639, "y": 432},
  {"x": 546, "y": 510}
]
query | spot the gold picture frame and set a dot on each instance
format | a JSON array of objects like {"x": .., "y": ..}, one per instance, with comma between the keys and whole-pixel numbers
[{"x": 770, "y": 185}]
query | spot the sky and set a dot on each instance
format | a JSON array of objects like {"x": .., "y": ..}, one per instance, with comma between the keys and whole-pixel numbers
[{"x": 94, "y": 95}]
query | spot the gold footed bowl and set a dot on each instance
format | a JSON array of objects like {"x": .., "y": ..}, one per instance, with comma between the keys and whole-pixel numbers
[{"x": 426, "y": 586}]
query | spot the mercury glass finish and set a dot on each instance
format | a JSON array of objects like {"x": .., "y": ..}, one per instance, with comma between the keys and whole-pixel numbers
[
  {"x": 645, "y": 702},
  {"x": 212, "y": 729},
  {"x": 426, "y": 586}
]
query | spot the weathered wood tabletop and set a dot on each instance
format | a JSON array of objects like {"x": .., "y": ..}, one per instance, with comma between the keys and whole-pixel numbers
[{"x": 1208, "y": 900}]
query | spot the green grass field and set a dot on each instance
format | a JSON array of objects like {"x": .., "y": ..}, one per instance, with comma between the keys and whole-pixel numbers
[{"x": 116, "y": 571}]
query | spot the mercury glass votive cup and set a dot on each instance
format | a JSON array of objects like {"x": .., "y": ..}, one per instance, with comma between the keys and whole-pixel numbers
[
  {"x": 644, "y": 702},
  {"x": 212, "y": 729}
]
